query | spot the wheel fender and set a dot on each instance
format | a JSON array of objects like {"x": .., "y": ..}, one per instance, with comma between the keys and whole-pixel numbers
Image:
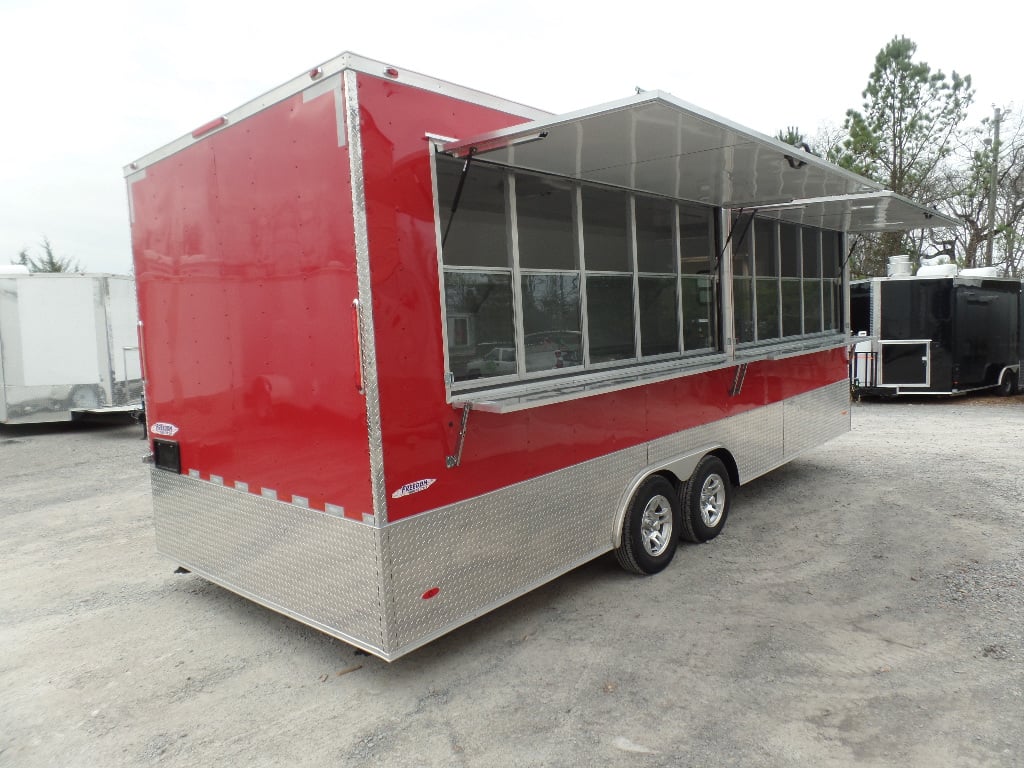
[
  {"x": 1008, "y": 370},
  {"x": 681, "y": 465},
  {"x": 1014, "y": 369}
]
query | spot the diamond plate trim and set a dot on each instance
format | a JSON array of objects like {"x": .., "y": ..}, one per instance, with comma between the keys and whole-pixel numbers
[
  {"x": 485, "y": 551},
  {"x": 365, "y": 584},
  {"x": 815, "y": 417},
  {"x": 317, "y": 568},
  {"x": 752, "y": 438},
  {"x": 366, "y": 334}
]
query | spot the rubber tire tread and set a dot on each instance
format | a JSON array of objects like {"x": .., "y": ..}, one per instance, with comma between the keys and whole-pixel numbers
[
  {"x": 693, "y": 528},
  {"x": 630, "y": 552},
  {"x": 1008, "y": 385}
]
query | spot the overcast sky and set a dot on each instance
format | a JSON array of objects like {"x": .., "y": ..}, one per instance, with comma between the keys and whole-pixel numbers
[{"x": 89, "y": 87}]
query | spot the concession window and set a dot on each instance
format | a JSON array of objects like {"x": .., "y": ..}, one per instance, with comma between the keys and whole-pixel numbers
[{"x": 656, "y": 144}]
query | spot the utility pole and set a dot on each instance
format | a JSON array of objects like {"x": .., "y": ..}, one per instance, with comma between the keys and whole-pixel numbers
[{"x": 992, "y": 190}]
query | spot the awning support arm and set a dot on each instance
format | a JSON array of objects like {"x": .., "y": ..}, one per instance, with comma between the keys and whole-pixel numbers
[
  {"x": 454, "y": 460},
  {"x": 458, "y": 194},
  {"x": 853, "y": 247},
  {"x": 739, "y": 240}
]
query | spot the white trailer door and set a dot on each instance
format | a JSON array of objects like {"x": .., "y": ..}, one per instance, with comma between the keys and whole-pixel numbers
[{"x": 61, "y": 340}]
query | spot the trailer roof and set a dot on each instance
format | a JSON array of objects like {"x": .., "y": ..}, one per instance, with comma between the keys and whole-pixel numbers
[{"x": 655, "y": 143}]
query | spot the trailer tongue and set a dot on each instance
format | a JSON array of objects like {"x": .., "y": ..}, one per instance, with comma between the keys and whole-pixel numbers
[{"x": 412, "y": 350}]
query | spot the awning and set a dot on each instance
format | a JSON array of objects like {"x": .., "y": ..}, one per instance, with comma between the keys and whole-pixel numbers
[
  {"x": 653, "y": 142},
  {"x": 870, "y": 212}
]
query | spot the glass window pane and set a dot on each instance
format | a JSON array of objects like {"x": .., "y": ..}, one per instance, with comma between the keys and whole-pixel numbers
[
  {"x": 764, "y": 248},
  {"x": 551, "y": 321},
  {"x": 828, "y": 296},
  {"x": 767, "y": 308},
  {"x": 610, "y": 317},
  {"x": 544, "y": 210},
  {"x": 791, "y": 307},
  {"x": 655, "y": 251},
  {"x": 606, "y": 230},
  {"x": 812, "y": 253},
  {"x": 699, "y": 331},
  {"x": 829, "y": 254},
  {"x": 812, "y": 306},
  {"x": 696, "y": 239},
  {"x": 743, "y": 306},
  {"x": 478, "y": 308},
  {"x": 789, "y": 243},
  {"x": 742, "y": 249},
  {"x": 659, "y": 320},
  {"x": 478, "y": 236}
]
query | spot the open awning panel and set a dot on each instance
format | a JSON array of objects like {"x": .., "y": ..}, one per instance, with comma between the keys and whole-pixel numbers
[
  {"x": 871, "y": 212},
  {"x": 655, "y": 143}
]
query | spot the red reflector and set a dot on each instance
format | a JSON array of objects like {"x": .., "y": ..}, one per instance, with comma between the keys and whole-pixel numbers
[
  {"x": 432, "y": 592},
  {"x": 207, "y": 127},
  {"x": 391, "y": 72}
]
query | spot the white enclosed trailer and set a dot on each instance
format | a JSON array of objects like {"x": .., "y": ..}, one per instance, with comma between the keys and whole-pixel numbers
[{"x": 68, "y": 345}]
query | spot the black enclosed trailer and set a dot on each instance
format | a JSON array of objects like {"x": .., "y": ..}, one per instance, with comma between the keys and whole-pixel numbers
[{"x": 936, "y": 335}]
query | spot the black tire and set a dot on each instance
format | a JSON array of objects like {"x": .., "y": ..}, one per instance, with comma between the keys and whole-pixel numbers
[
  {"x": 1007, "y": 385},
  {"x": 706, "y": 498},
  {"x": 650, "y": 529}
]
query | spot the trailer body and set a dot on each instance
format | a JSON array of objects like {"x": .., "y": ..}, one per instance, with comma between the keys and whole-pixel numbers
[
  {"x": 936, "y": 335},
  {"x": 413, "y": 350},
  {"x": 68, "y": 344}
]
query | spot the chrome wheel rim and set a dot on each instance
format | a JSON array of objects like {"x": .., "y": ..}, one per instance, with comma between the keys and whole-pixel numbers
[
  {"x": 656, "y": 526},
  {"x": 712, "y": 500}
]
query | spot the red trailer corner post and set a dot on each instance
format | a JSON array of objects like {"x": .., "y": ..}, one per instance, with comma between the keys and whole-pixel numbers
[{"x": 412, "y": 350}]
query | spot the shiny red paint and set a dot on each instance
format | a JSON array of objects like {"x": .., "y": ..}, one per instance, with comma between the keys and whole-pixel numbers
[
  {"x": 419, "y": 429},
  {"x": 244, "y": 246},
  {"x": 244, "y": 258}
]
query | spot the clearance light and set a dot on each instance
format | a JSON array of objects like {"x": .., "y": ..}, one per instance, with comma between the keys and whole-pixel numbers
[
  {"x": 207, "y": 127},
  {"x": 391, "y": 72},
  {"x": 430, "y": 593}
]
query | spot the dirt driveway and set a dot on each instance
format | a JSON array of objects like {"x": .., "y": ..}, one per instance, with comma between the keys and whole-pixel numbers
[{"x": 865, "y": 606}]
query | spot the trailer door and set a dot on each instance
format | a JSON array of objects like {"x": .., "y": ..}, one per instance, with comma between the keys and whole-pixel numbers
[{"x": 905, "y": 363}]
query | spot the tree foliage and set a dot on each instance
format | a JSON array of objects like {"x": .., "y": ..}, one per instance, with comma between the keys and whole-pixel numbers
[
  {"x": 48, "y": 262},
  {"x": 906, "y": 128}
]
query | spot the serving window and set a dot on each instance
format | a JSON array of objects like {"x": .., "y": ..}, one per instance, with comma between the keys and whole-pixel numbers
[
  {"x": 546, "y": 275},
  {"x": 786, "y": 281}
]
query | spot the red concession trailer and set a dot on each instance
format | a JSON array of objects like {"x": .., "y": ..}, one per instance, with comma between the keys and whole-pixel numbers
[{"x": 412, "y": 350}]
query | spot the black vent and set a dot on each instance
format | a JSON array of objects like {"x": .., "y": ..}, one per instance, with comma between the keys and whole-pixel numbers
[{"x": 166, "y": 455}]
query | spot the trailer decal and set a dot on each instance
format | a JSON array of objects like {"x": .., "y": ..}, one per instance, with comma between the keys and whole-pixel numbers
[
  {"x": 410, "y": 488},
  {"x": 163, "y": 428}
]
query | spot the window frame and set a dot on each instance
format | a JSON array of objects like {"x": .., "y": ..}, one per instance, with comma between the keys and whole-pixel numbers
[{"x": 722, "y": 309}]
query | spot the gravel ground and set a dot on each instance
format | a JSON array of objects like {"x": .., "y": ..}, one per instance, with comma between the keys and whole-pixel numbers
[{"x": 864, "y": 606}]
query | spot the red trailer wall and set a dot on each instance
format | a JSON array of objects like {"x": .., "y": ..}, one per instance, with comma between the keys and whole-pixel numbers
[
  {"x": 244, "y": 257},
  {"x": 419, "y": 428}
]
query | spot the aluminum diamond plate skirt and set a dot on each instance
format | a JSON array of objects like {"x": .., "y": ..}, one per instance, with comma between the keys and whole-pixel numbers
[
  {"x": 815, "y": 417},
  {"x": 391, "y": 589},
  {"x": 317, "y": 568}
]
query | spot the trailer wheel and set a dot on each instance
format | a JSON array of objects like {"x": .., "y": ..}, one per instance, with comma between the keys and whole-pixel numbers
[
  {"x": 1008, "y": 384},
  {"x": 705, "y": 500},
  {"x": 84, "y": 396},
  {"x": 650, "y": 530}
]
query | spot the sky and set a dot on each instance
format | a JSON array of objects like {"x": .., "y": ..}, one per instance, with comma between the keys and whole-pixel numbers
[{"x": 89, "y": 87}]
